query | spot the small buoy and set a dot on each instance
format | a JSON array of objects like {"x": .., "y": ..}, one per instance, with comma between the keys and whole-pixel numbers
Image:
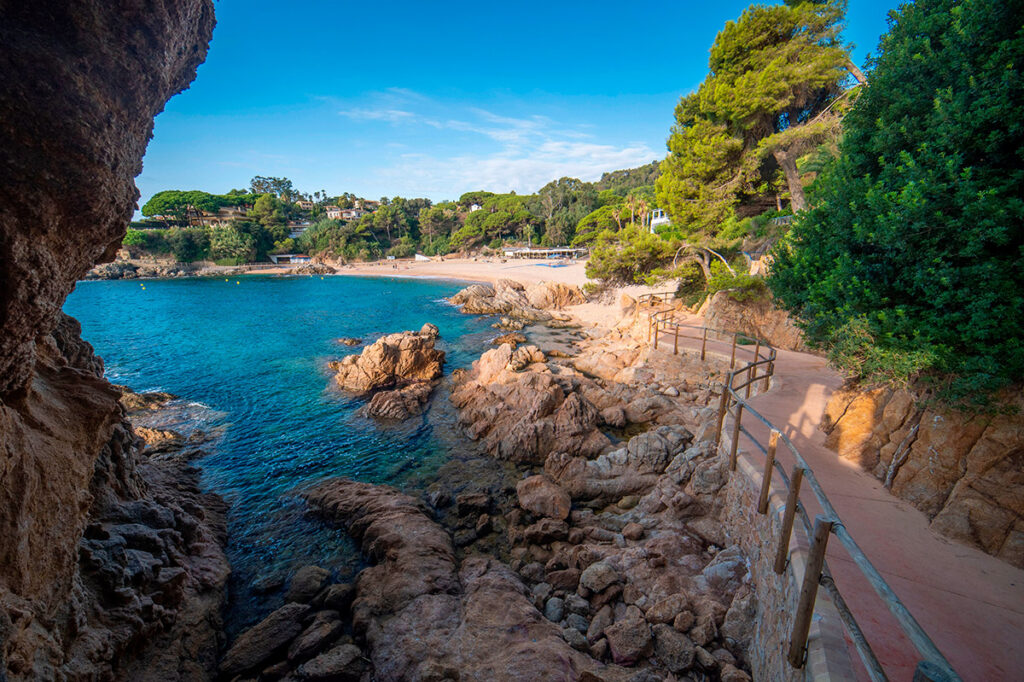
[
  {"x": 237, "y": 282},
  {"x": 225, "y": 279}
]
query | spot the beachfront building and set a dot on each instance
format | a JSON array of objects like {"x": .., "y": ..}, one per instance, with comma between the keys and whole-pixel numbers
[
  {"x": 289, "y": 259},
  {"x": 333, "y": 212},
  {"x": 569, "y": 252},
  {"x": 658, "y": 218},
  {"x": 304, "y": 205},
  {"x": 352, "y": 213}
]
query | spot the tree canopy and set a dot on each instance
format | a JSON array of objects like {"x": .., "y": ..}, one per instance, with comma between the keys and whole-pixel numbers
[
  {"x": 772, "y": 95},
  {"x": 911, "y": 262}
]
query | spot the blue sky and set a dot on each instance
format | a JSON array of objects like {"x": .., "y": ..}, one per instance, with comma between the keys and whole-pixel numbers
[{"x": 436, "y": 99}]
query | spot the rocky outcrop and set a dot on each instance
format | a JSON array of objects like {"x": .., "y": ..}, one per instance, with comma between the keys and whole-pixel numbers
[
  {"x": 127, "y": 270},
  {"x": 127, "y": 575},
  {"x": 400, "y": 403},
  {"x": 512, "y": 299},
  {"x": 524, "y": 415},
  {"x": 425, "y": 615},
  {"x": 965, "y": 472},
  {"x": 391, "y": 360},
  {"x": 105, "y": 559},
  {"x": 758, "y": 318}
]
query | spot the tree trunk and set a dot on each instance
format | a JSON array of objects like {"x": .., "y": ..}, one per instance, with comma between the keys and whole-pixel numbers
[
  {"x": 797, "y": 200},
  {"x": 857, "y": 73}
]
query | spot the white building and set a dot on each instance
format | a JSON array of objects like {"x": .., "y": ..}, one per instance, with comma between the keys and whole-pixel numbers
[
  {"x": 658, "y": 218},
  {"x": 474, "y": 207}
]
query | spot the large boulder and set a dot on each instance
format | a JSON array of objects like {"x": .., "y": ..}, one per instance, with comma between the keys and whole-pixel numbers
[
  {"x": 260, "y": 642},
  {"x": 400, "y": 403},
  {"x": 392, "y": 359},
  {"x": 523, "y": 416},
  {"x": 515, "y": 300},
  {"x": 539, "y": 495}
]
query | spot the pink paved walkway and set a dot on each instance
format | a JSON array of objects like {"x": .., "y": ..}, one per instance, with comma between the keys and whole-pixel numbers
[{"x": 970, "y": 604}]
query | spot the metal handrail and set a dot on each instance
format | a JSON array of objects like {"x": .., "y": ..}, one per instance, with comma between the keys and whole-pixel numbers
[{"x": 934, "y": 665}]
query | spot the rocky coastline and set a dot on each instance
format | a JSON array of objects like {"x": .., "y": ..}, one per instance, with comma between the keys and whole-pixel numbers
[
  {"x": 582, "y": 544},
  {"x": 127, "y": 269}
]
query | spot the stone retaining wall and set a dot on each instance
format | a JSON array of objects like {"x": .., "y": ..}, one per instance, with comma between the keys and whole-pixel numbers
[{"x": 777, "y": 596}]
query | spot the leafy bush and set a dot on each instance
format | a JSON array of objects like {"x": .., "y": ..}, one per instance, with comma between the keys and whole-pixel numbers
[{"x": 740, "y": 287}]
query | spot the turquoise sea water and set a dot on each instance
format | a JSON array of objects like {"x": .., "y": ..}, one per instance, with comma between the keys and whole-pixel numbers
[{"x": 249, "y": 362}]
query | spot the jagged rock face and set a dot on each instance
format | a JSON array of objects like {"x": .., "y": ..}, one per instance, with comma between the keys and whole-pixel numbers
[
  {"x": 391, "y": 360},
  {"x": 965, "y": 472},
  {"x": 83, "y": 81},
  {"x": 760, "y": 319}
]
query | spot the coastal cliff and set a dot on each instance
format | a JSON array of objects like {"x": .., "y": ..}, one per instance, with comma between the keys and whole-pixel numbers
[{"x": 106, "y": 557}]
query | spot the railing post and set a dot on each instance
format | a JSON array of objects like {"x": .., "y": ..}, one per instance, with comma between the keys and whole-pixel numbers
[
  {"x": 792, "y": 500},
  {"x": 656, "y": 323},
  {"x": 735, "y": 436},
  {"x": 722, "y": 409},
  {"x": 704, "y": 344},
  {"x": 768, "y": 374},
  {"x": 769, "y": 466},
  {"x": 752, "y": 368},
  {"x": 675, "y": 345},
  {"x": 650, "y": 321},
  {"x": 732, "y": 360},
  {"x": 809, "y": 592}
]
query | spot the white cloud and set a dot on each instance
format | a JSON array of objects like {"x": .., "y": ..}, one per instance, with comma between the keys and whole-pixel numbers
[
  {"x": 523, "y": 172},
  {"x": 528, "y": 152},
  {"x": 389, "y": 115}
]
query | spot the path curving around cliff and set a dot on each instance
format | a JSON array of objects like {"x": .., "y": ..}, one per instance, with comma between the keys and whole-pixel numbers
[{"x": 970, "y": 603}]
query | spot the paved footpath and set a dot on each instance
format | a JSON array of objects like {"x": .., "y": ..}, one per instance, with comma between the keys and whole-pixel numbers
[{"x": 971, "y": 604}]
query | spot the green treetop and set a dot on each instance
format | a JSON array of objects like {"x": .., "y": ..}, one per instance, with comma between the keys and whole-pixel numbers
[{"x": 771, "y": 96}]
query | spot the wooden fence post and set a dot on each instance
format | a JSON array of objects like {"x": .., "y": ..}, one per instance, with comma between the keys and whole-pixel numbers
[
  {"x": 704, "y": 344},
  {"x": 735, "y": 436},
  {"x": 782, "y": 551},
  {"x": 752, "y": 368},
  {"x": 809, "y": 592},
  {"x": 722, "y": 409},
  {"x": 732, "y": 360},
  {"x": 768, "y": 374},
  {"x": 675, "y": 345},
  {"x": 769, "y": 467},
  {"x": 650, "y": 321},
  {"x": 656, "y": 322}
]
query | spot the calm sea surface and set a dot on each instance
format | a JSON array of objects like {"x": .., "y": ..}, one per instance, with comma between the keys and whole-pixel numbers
[{"x": 248, "y": 358}]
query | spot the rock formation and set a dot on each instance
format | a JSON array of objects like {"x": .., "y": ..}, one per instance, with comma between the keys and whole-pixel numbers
[
  {"x": 391, "y": 360},
  {"x": 532, "y": 303},
  {"x": 425, "y": 615},
  {"x": 966, "y": 473},
  {"x": 760, "y": 319},
  {"x": 105, "y": 558}
]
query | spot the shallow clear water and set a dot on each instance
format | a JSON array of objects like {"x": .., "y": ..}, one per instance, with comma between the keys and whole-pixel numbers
[{"x": 252, "y": 352}]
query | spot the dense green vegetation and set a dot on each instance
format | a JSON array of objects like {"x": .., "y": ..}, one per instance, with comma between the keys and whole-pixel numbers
[
  {"x": 199, "y": 227},
  {"x": 911, "y": 261}
]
